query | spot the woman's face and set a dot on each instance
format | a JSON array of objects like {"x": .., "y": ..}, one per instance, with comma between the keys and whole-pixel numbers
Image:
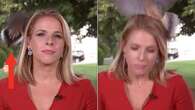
[
  {"x": 46, "y": 40},
  {"x": 140, "y": 52}
]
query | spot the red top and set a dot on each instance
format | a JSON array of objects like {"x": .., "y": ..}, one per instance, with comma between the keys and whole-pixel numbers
[
  {"x": 174, "y": 96},
  {"x": 78, "y": 96}
]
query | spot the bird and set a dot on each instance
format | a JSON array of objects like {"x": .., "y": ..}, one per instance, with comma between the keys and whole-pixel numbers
[
  {"x": 12, "y": 33},
  {"x": 155, "y": 8}
]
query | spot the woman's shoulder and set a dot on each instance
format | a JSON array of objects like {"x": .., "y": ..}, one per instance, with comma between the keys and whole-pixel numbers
[
  {"x": 105, "y": 75},
  {"x": 16, "y": 80},
  {"x": 82, "y": 83},
  {"x": 3, "y": 82},
  {"x": 176, "y": 80},
  {"x": 17, "y": 85},
  {"x": 81, "y": 86},
  {"x": 108, "y": 80},
  {"x": 181, "y": 92},
  {"x": 174, "y": 76}
]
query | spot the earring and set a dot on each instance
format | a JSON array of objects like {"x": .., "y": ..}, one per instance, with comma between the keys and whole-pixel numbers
[
  {"x": 29, "y": 52},
  {"x": 157, "y": 61}
]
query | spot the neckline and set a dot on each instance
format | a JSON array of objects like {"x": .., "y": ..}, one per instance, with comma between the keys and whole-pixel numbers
[
  {"x": 29, "y": 97},
  {"x": 146, "y": 101}
]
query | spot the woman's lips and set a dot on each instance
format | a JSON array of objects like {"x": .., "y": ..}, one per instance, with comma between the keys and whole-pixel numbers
[
  {"x": 48, "y": 51},
  {"x": 140, "y": 66}
]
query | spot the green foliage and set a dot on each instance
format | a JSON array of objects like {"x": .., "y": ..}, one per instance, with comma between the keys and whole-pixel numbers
[
  {"x": 2, "y": 21},
  {"x": 2, "y": 74},
  {"x": 102, "y": 52},
  {"x": 4, "y": 51},
  {"x": 100, "y": 56},
  {"x": 110, "y": 25},
  {"x": 190, "y": 9},
  {"x": 78, "y": 13},
  {"x": 185, "y": 9},
  {"x": 3, "y": 57}
]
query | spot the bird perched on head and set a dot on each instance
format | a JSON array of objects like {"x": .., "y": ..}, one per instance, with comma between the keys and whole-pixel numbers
[{"x": 154, "y": 8}]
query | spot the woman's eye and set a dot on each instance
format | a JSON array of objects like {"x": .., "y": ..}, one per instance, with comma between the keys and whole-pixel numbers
[
  {"x": 58, "y": 36},
  {"x": 40, "y": 34},
  {"x": 151, "y": 50},
  {"x": 134, "y": 48}
]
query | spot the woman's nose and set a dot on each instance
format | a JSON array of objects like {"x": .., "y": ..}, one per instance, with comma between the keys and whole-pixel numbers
[
  {"x": 49, "y": 41},
  {"x": 141, "y": 55}
]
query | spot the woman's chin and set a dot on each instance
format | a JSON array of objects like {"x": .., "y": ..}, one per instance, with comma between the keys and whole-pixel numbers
[
  {"x": 48, "y": 62},
  {"x": 140, "y": 73}
]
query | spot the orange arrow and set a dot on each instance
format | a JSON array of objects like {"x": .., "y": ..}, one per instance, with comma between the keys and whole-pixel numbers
[{"x": 11, "y": 63}]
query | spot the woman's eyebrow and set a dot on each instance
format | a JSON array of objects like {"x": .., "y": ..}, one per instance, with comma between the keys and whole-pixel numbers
[
  {"x": 148, "y": 46},
  {"x": 40, "y": 30},
  {"x": 58, "y": 32}
]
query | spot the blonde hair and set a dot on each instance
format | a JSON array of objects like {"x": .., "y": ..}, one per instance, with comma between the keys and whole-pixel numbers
[
  {"x": 160, "y": 34},
  {"x": 25, "y": 66}
]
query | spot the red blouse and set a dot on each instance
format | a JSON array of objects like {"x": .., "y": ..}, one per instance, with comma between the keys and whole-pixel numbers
[
  {"x": 78, "y": 96},
  {"x": 174, "y": 96}
]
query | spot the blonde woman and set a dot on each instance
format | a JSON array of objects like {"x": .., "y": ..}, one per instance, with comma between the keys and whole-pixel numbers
[
  {"x": 45, "y": 79},
  {"x": 137, "y": 79}
]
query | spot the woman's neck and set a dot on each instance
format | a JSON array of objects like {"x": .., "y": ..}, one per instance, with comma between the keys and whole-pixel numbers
[
  {"x": 138, "y": 79},
  {"x": 45, "y": 73}
]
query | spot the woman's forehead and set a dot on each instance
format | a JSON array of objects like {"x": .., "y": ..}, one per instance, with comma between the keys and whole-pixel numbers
[
  {"x": 141, "y": 37},
  {"x": 44, "y": 22}
]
